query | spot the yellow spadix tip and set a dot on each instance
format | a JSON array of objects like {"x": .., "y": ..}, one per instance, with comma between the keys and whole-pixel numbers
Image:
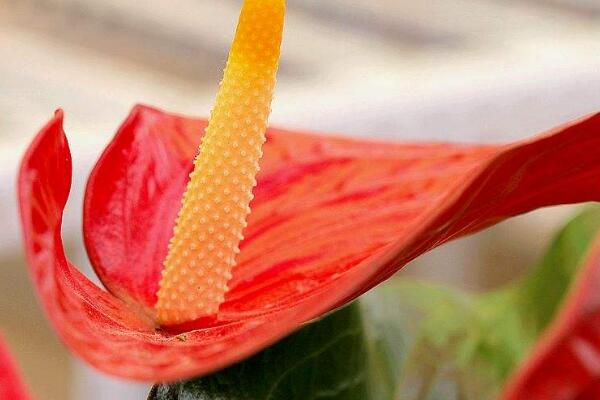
[{"x": 216, "y": 202}]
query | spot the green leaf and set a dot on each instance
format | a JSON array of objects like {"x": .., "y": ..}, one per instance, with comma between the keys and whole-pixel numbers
[{"x": 409, "y": 339}]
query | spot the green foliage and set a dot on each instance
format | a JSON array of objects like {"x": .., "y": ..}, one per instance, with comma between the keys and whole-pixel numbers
[{"x": 408, "y": 339}]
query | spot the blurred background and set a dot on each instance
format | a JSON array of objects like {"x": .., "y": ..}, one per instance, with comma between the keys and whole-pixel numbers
[{"x": 456, "y": 70}]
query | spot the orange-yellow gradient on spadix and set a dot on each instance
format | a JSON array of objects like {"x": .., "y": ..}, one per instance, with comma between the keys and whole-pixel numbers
[{"x": 215, "y": 205}]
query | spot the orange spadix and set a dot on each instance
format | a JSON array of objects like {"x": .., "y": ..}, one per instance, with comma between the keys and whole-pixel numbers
[{"x": 216, "y": 202}]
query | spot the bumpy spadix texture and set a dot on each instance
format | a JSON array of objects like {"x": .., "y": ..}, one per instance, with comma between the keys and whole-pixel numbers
[{"x": 216, "y": 203}]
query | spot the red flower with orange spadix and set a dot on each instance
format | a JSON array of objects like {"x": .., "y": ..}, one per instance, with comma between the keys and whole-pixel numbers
[{"x": 207, "y": 261}]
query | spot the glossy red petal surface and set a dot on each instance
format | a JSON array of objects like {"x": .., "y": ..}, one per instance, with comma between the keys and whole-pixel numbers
[
  {"x": 11, "y": 385},
  {"x": 565, "y": 363},
  {"x": 332, "y": 217},
  {"x": 314, "y": 194}
]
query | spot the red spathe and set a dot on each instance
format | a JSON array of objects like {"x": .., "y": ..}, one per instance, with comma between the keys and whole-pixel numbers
[{"x": 332, "y": 217}]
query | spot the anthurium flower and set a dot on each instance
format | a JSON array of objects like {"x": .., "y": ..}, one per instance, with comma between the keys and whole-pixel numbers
[
  {"x": 11, "y": 385},
  {"x": 330, "y": 218}
]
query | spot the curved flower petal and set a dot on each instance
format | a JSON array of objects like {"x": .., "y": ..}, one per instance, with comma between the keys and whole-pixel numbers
[
  {"x": 313, "y": 193},
  {"x": 104, "y": 330},
  {"x": 565, "y": 363},
  {"x": 132, "y": 199},
  {"x": 11, "y": 385},
  {"x": 331, "y": 218}
]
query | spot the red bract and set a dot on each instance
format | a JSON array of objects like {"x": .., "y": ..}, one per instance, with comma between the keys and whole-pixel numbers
[
  {"x": 332, "y": 217},
  {"x": 565, "y": 363},
  {"x": 11, "y": 385}
]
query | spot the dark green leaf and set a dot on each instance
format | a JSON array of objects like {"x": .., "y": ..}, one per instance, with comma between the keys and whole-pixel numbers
[{"x": 324, "y": 360}]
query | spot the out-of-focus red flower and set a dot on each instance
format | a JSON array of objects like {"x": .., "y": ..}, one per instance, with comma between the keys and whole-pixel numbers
[
  {"x": 331, "y": 218},
  {"x": 11, "y": 385},
  {"x": 565, "y": 363}
]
